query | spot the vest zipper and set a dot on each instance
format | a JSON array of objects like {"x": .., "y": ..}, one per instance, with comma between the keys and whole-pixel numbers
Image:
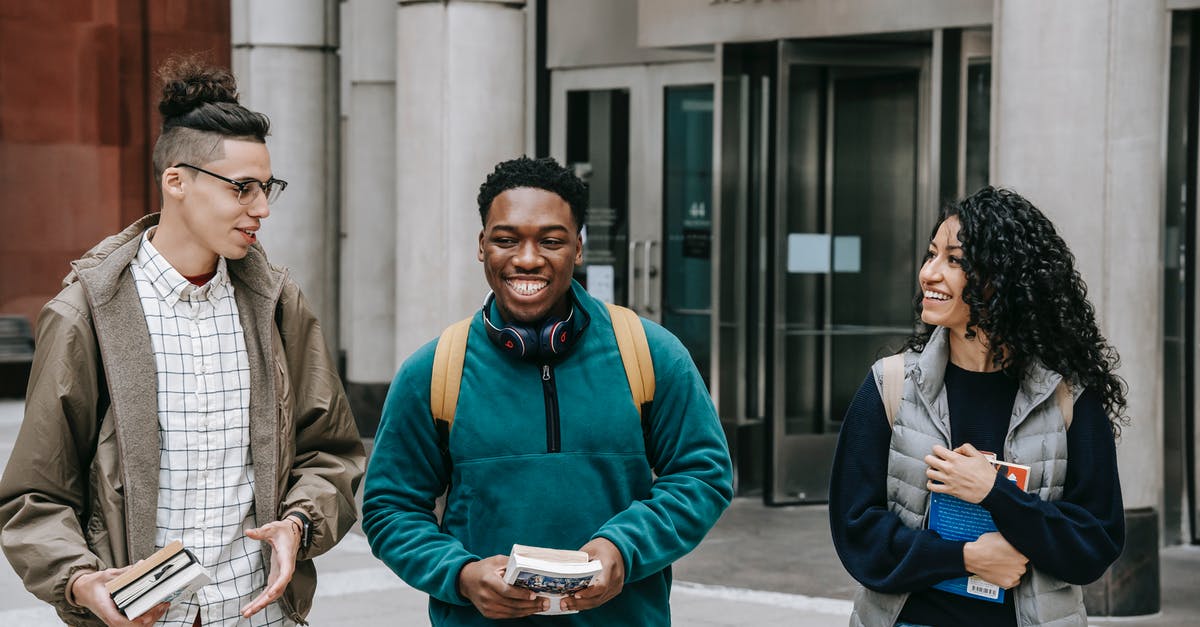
[{"x": 553, "y": 443}]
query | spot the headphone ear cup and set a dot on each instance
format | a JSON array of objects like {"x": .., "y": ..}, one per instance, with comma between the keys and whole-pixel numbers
[
  {"x": 556, "y": 337},
  {"x": 519, "y": 338},
  {"x": 512, "y": 340}
]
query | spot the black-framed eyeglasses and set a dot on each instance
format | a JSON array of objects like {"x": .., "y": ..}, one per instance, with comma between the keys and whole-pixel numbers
[{"x": 247, "y": 190}]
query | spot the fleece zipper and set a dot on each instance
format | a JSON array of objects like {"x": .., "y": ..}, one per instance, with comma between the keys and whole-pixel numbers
[{"x": 550, "y": 392}]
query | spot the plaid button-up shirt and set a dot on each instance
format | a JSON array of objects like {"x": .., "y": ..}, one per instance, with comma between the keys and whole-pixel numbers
[{"x": 206, "y": 474}]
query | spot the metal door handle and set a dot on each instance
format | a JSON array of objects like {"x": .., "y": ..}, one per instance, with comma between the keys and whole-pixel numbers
[
  {"x": 631, "y": 288},
  {"x": 651, "y": 272}
]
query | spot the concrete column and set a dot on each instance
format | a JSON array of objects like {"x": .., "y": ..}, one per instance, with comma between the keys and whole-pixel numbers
[
  {"x": 460, "y": 109},
  {"x": 1078, "y": 118},
  {"x": 369, "y": 212},
  {"x": 285, "y": 59}
]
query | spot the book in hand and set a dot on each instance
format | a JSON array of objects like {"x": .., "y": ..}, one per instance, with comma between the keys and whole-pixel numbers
[
  {"x": 169, "y": 573},
  {"x": 956, "y": 519},
  {"x": 550, "y": 573}
]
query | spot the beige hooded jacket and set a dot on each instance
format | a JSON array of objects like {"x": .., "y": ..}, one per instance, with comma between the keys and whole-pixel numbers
[{"x": 81, "y": 488}]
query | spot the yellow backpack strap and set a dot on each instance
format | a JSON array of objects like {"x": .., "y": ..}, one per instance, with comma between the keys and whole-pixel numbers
[
  {"x": 635, "y": 355},
  {"x": 893, "y": 385},
  {"x": 1066, "y": 403},
  {"x": 447, "y": 376}
]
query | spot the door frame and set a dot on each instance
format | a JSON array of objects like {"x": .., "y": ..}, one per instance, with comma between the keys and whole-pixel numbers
[
  {"x": 646, "y": 85},
  {"x": 812, "y": 453}
]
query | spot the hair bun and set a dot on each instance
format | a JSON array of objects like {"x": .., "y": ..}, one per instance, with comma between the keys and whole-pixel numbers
[{"x": 189, "y": 83}]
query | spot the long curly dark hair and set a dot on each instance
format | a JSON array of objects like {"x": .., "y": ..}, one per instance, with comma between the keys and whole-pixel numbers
[{"x": 1027, "y": 298}]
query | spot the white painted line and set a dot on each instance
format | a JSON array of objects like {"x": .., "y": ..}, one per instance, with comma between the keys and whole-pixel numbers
[
  {"x": 352, "y": 543},
  {"x": 818, "y": 605},
  {"x": 42, "y": 616},
  {"x": 347, "y": 582},
  {"x": 380, "y": 578},
  {"x": 332, "y": 585}
]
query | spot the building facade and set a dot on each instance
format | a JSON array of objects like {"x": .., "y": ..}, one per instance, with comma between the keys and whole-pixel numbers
[
  {"x": 78, "y": 120},
  {"x": 763, "y": 175}
]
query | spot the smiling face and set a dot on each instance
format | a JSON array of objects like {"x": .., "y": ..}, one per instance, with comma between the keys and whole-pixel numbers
[
  {"x": 202, "y": 218},
  {"x": 529, "y": 247},
  {"x": 943, "y": 280}
]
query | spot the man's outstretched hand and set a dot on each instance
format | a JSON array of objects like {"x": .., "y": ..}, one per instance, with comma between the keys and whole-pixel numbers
[{"x": 284, "y": 538}]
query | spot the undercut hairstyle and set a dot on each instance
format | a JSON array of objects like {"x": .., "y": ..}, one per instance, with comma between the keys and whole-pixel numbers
[
  {"x": 200, "y": 110},
  {"x": 1027, "y": 298},
  {"x": 544, "y": 173}
]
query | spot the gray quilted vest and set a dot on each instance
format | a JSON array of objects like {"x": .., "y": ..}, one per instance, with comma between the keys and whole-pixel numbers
[{"x": 1036, "y": 437}]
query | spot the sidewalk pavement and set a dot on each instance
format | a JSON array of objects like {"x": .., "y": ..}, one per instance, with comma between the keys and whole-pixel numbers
[{"x": 770, "y": 567}]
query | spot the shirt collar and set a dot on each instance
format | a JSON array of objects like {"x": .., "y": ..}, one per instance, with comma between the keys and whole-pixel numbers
[{"x": 170, "y": 285}]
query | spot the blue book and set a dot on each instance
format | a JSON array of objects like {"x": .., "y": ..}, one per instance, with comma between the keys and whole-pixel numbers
[{"x": 955, "y": 519}]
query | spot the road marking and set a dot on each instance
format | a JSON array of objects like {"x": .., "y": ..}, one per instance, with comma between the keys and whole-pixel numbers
[
  {"x": 347, "y": 582},
  {"x": 42, "y": 616},
  {"x": 352, "y": 543},
  {"x": 332, "y": 585},
  {"x": 379, "y": 579},
  {"x": 819, "y": 605}
]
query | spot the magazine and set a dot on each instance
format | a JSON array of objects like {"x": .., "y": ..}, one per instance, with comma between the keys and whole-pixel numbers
[
  {"x": 955, "y": 519},
  {"x": 550, "y": 573}
]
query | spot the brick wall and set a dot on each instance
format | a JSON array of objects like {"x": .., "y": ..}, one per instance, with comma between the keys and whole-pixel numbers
[{"x": 78, "y": 120}]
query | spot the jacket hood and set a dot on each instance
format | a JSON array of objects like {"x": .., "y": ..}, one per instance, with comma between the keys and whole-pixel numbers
[
  {"x": 101, "y": 251},
  {"x": 101, "y": 267}
]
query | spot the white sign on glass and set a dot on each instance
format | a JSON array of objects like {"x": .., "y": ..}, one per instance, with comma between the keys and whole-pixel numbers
[
  {"x": 817, "y": 253},
  {"x": 600, "y": 282},
  {"x": 847, "y": 253}
]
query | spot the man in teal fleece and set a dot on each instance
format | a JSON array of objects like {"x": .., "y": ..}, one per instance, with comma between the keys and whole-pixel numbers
[{"x": 547, "y": 447}]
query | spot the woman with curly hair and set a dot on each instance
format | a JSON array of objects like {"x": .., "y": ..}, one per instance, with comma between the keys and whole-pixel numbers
[{"x": 1010, "y": 360}]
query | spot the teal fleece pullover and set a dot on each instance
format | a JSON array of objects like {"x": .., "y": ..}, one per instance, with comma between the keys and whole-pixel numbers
[{"x": 508, "y": 485}]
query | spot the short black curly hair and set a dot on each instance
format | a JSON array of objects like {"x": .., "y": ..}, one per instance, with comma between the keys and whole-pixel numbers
[
  {"x": 1027, "y": 298},
  {"x": 544, "y": 173}
]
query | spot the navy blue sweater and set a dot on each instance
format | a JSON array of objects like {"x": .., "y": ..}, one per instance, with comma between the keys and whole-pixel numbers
[{"x": 1073, "y": 539}]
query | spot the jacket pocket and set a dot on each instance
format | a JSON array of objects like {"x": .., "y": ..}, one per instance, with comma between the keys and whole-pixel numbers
[
  {"x": 106, "y": 499},
  {"x": 283, "y": 412}
]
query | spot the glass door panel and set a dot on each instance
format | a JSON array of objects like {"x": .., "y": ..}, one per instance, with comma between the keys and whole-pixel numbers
[
  {"x": 597, "y": 146},
  {"x": 844, "y": 276},
  {"x": 688, "y": 219},
  {"x": 977, "y": 123},
  {"x": 873, "y": 219},
  {"x": 1180, "y": 473}
]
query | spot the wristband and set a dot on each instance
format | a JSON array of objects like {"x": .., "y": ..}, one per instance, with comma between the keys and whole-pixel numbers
[{"x": 305, "y": 528}]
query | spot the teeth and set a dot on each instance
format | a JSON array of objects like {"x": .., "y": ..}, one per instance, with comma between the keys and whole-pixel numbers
[
  {"x": 527, "y": 288},
  {"x": 935, "y": 295}
]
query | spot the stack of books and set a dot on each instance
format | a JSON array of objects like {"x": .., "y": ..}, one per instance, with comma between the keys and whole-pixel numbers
[
  {"x": 550, "y": 573},
  {"x": 161, "y": 578},
  {"x": 956, "y": 519}
]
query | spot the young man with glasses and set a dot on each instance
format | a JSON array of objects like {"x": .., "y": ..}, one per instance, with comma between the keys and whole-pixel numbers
[{"x": 182, "y": 390}]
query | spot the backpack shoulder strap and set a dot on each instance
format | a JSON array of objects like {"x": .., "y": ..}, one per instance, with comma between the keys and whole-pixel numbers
[
  {"x": 893, "y": 385},
  {"x": 1066, "y": 402},
  {"x": 635, "y": 355},
  {"x": 447, "y": 373}
]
